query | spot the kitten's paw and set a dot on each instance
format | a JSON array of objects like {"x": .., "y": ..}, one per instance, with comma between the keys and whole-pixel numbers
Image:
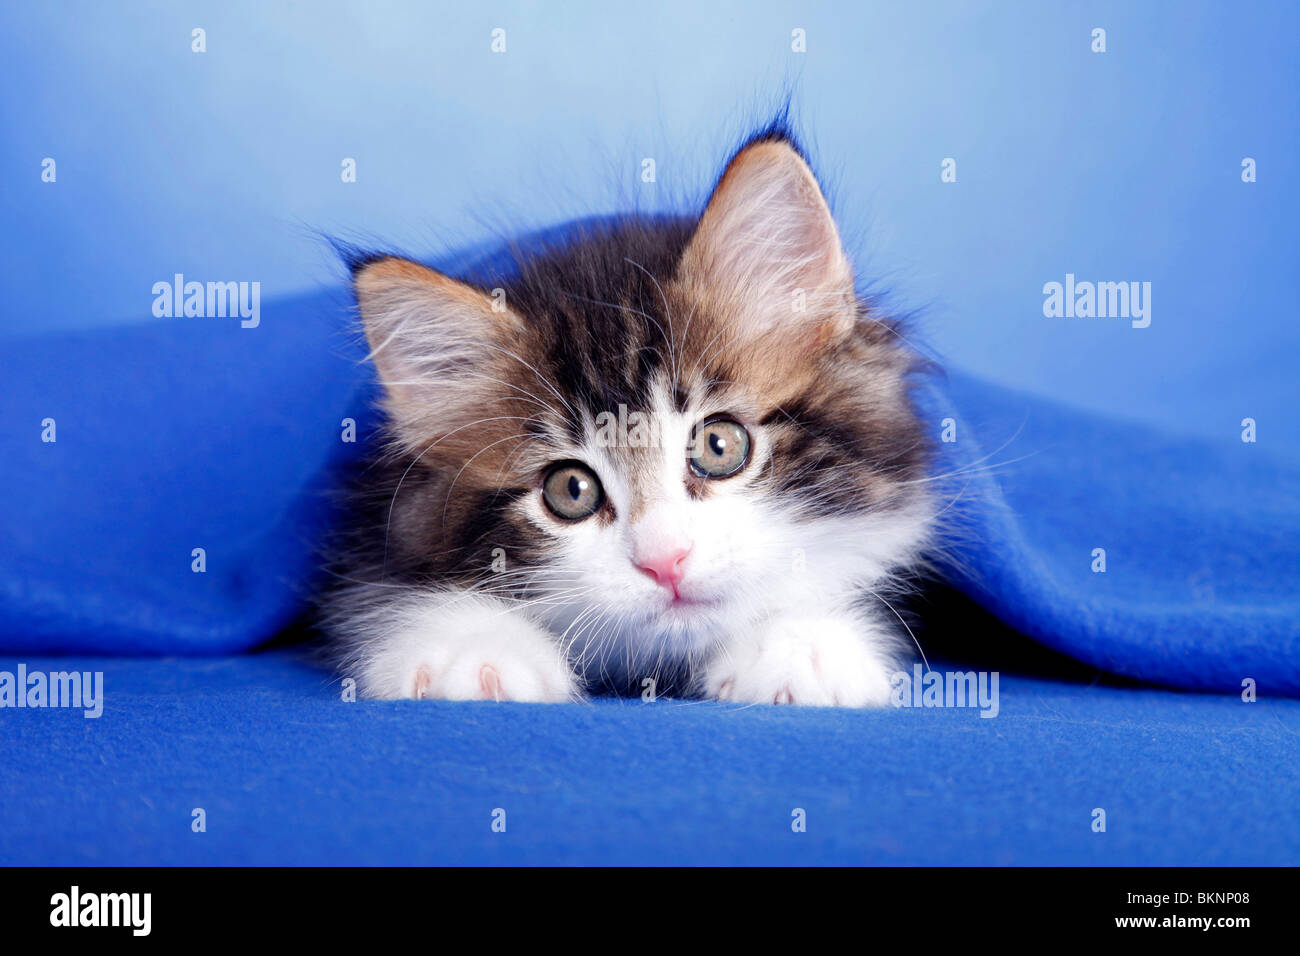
[
  {"x": 472, "y": 656},
  {"x": 819, "y": 662}
]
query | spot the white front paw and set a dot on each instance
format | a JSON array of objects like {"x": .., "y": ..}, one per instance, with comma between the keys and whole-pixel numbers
[
  {"x": 475, "y": 652},
  {"x": 817, "y": 661},
  {"x": 491, "y": 666}
]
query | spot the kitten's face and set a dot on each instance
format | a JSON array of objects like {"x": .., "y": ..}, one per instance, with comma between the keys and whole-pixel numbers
[{"x": 669, "y": 429}]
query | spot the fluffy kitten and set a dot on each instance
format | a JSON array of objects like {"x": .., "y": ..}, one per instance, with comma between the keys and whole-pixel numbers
[{"x": 676, "y": 450}]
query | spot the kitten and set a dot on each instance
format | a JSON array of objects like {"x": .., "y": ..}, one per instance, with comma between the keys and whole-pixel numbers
[{"x": 674, "y": 451}]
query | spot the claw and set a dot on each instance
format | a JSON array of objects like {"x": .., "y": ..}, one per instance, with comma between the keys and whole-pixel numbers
[{"x": 489, "y": 681}]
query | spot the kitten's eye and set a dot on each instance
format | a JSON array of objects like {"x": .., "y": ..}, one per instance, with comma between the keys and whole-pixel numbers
[
  {"x": 572, "y": 491},
  {"x": 719, "y": 449}
]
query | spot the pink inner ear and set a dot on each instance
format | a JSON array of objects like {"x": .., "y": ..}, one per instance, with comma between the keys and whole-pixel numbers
[
  {"x": 429, "y": 336},
  {"x": 768, "y": 243}
]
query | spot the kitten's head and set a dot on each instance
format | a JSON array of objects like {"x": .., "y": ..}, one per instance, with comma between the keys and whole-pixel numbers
[{"x": 657, "y": 433}]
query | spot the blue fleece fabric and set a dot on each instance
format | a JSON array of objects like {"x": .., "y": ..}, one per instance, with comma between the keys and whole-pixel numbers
[
  {"x": 287, "y": 772},
  {"x": 169, "y": 437},
  {"x": 1168, "y": 560}
]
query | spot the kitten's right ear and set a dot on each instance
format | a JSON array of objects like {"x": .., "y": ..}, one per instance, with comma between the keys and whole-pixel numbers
[{"x": 432, "y": 340}]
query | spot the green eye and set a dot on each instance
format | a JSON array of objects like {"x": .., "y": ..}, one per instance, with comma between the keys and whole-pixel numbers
[
  {"x": 572, "y": 491},
  {"x": 719, "y": 448}
]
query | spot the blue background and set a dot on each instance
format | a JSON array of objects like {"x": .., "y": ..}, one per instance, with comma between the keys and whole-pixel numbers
[
  {"x": 225, "y": 166},
  {"x": 1116, "y": 166}
]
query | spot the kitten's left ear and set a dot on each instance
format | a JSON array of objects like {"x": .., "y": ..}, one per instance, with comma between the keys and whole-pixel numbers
[{"x": 766, "y": 255}]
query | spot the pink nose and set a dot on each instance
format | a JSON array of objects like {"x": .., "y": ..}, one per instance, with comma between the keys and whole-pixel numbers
[{"x": 666, "y": 568}]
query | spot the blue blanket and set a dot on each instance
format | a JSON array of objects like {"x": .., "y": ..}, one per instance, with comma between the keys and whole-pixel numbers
[
  {"x": 178, "y": 506},
  {"x": 285, "y": 772},
  {"x": 1172, "y": 561}
]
